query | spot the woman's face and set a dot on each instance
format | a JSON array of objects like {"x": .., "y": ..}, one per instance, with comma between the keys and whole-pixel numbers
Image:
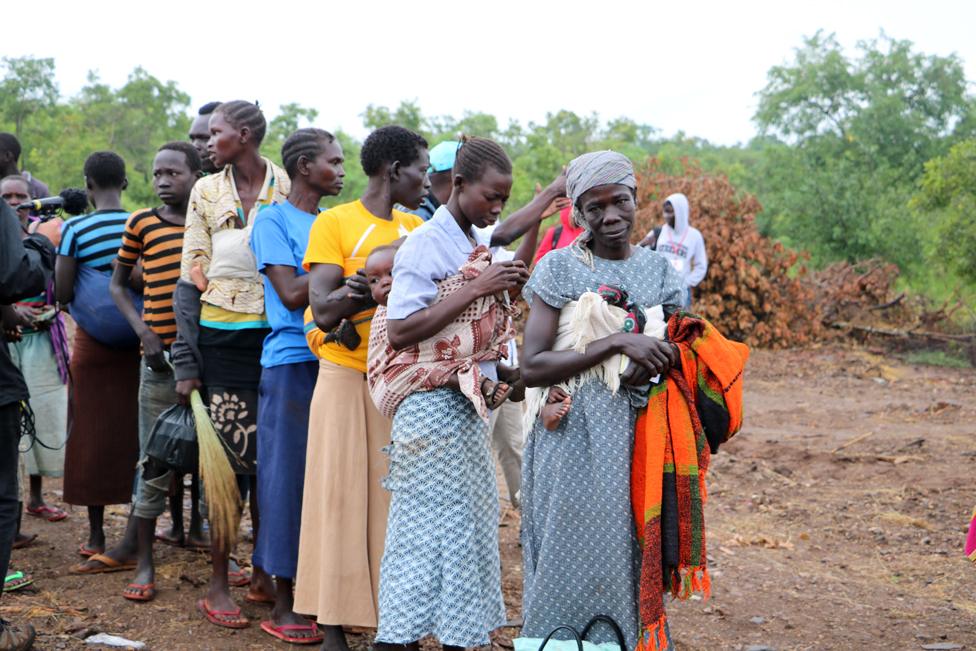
[
  {"x": 482, "y": 201},
  {"x": 609, "y": 214},
  {"x": 669, "y": 214},
  {"x": 226, "y": 143}
]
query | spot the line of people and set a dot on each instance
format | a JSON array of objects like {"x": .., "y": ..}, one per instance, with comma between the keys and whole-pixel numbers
[{"x": 359, "y": 365}]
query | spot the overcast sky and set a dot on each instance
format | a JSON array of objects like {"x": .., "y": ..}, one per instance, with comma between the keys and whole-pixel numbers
[{"x": 678, "y": 66}]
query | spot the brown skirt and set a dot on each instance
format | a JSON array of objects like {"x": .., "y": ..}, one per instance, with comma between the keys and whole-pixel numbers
[{"x": 103, "y": 423}]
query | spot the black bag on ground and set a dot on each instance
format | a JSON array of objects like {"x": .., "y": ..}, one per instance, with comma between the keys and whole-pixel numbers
[
  {"x": 173, "y": 440},
  {"x": 577, "y": 638}
]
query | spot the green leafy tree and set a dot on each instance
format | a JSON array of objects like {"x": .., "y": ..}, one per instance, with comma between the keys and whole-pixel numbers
[
  {"x": 27, "y": 89},
  {"x": 290, "y": 118},
  {"x": 857, "y": 132},
  {"x": 946, "y": 203}
]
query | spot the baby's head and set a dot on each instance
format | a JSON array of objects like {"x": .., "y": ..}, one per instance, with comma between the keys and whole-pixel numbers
[{"x": 379, "y": 272}]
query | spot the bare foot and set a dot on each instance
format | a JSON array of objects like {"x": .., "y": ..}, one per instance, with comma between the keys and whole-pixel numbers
[
  {"x": 557, "y": 406},
  {"x": 333, "y": 639},
  {"x": 495, "y": 393}
]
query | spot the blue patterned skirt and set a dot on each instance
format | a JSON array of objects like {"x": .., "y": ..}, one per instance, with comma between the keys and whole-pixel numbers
[{"x": 441, "y": 573}]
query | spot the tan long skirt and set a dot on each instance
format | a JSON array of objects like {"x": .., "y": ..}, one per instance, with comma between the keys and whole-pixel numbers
[{"x": 344, "y": 505}]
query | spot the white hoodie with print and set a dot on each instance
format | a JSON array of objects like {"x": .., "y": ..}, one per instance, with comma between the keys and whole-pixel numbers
[{"x": 683, "y": 245}]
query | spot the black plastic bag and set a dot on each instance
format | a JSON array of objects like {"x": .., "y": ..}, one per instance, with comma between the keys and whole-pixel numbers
[{"x": 173, "y": 440}]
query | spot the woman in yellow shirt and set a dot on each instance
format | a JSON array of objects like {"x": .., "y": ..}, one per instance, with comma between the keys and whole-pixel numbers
[
  {"x": 344, "y": 514},
  {"x": 224, "y": 356}
]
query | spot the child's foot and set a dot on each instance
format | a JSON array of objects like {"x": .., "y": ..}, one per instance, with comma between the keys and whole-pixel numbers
[
  {"x": 557, "y": 406},
  {"x": 495, "y": 393}
]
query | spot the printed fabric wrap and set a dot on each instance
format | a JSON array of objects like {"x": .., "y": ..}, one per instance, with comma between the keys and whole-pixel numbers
[
  {"x": 479, "y": 334},
  {"x": 688, "y": 416}
]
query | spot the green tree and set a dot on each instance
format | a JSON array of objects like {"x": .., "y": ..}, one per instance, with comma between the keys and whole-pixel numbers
[
  {"x": 27, "y": 88},
  {"x": 946, "y": 203},
  {"x": 851, "y": 137},
  {"x": 290, "y": 118}
]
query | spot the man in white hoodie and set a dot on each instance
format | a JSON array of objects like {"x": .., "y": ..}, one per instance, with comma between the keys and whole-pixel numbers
[{"x": 681, "y": 244}]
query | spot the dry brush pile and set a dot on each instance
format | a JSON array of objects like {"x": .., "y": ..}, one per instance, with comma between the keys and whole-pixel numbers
[
  {"x": 762, "y": 293},
  {"x": 755, "y": 290}
]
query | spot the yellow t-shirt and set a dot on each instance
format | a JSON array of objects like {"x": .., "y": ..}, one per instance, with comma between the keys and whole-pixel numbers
[{"x": 344, "y": 236}]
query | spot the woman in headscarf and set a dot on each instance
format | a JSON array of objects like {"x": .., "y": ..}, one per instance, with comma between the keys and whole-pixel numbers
[{"x": 580, "y": 548}]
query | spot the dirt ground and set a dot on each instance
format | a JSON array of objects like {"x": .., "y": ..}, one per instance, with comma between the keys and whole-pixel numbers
[{"x": 812, "y": 545}]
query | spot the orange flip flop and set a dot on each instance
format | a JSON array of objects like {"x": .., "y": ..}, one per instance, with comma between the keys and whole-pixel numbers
[
  {"x": 108, "y": 565},
  {"x": 223, "y": 617},
  {"x": 282, "y": 632},
  {"x": 140, "y": 591}
]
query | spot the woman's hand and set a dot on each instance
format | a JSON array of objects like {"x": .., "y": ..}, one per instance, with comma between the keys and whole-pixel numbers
[
  {"x": 500, "y": 277},
  {"x": 654, "y": 356},
  {"x": 185, "y": 387}
]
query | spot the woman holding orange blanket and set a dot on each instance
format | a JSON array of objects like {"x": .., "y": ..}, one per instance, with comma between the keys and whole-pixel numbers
[{"x": 581, "y": 551}]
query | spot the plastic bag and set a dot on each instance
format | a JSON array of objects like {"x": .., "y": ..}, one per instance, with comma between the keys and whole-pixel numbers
[{"x": 173, "y": 440}]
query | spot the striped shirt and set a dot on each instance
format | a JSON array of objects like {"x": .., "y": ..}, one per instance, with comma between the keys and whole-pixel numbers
[
  {"x": 93, "y": 239},
  {"x": 160, "y": 245}
]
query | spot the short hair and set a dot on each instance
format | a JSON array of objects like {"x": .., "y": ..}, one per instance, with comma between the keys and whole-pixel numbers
[
  {"x": 105, "y": 169},
  {"x": 208, "y": 108},
  {"x": 305, "y": 142},
  {"x": 16, "y": 177},
  {"x": 193, "y": 160},
  {"x": 382, "y": 249},
  {"x": 476, "y": 154},
  {"x": 242, "y": 114},
  {"x": 9, "y": 142},
  {"x": 389, "y": 145}
]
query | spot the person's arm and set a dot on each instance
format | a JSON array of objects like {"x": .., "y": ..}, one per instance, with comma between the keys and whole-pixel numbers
[
  {"x": 334, "y": 298},
  {"x": 529, "y": 215},
  {"x": 185, "y": 351},
  {"x": 542, "y": 366},
  {"x": 197, "y": 243},
  {"x": 427, "y": 322},
  {"x": 152, "y": 345},
  {"x": 699, "y": 264},
  {"x": 65, "y": 271},
  {"x": 276, "y": 260},
  {"x": 25, "y": 264},
  {"x": 291, "y": 288}
]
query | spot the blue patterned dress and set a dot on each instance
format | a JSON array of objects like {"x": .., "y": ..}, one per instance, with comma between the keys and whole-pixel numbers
[
  {"x": 579, "y": 543},
  {"x": 441, "y": 573}
]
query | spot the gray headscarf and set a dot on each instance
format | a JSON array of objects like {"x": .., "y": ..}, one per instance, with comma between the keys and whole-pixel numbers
[{"x": 587, "y": 172}]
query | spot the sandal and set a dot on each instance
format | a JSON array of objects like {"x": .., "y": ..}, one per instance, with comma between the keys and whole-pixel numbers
[
  {"x": 109, "y": 564},
  {"x": 87, "y": 551},
  {"x": 225, "y": 618},
  {"x": 238, "y": 578},
  {"x": 281, "y": 632},
  {"x": 140, "y": 591},
  {"x": 26, "y": 541},
  {"x": 49, "y": 513},
  {"x": 490, "y": 391},
  {"x": 169, "y": 540},
  {"x": 16, "y": 637},
  {"x": 16, "y": 581},
  {"x": 260, "y": 599}
]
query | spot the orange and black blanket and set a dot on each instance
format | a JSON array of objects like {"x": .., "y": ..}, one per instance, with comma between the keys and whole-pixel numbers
[{"x": 694, "y": 409}]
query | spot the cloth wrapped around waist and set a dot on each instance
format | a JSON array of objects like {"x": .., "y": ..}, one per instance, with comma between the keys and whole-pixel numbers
[
  {"x": 479, "y": 334},
  {"x": 584, "y": 321}
]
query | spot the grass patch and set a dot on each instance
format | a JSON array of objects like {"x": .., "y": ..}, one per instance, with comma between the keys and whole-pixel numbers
[{"x": 937, "y": 358}]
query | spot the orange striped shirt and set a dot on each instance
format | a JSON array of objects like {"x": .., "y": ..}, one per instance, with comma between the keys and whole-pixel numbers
[{"x": 160, "y": 245}]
